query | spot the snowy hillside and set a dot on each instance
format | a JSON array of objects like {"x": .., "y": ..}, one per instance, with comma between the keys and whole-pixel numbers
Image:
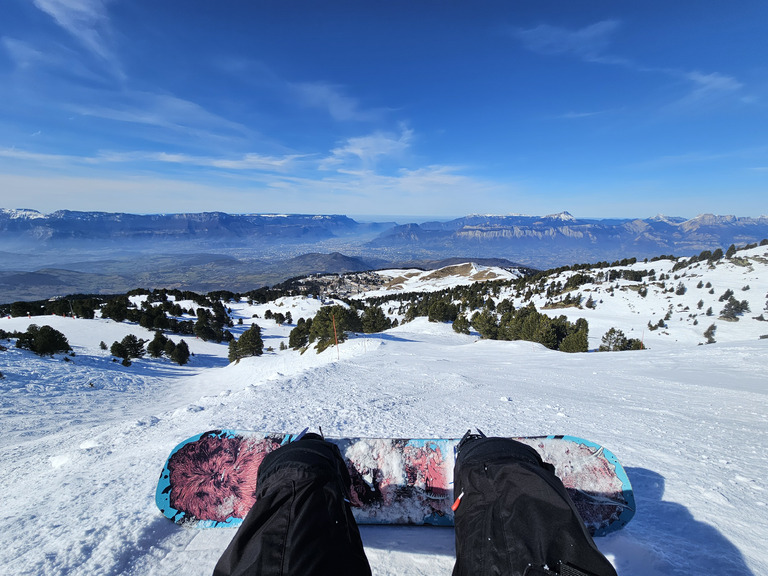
[
  {"x": 681, "y": 300},
  {"x": 83, "y": 441}
]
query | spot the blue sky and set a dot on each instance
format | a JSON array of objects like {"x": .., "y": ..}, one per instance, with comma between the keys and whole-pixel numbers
[{"x": 435, "y": 108}]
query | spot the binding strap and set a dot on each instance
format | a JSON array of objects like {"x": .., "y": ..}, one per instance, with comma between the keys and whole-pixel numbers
[{"x": 562, "y": 570}]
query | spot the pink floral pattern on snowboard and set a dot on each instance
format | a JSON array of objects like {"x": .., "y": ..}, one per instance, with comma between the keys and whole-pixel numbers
[{"x": 215, "y": 477}]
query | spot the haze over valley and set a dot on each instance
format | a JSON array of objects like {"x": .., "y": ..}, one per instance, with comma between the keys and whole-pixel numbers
[{"x": 97, "y": 252}]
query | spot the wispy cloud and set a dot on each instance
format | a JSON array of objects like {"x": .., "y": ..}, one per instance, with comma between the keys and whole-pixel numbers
[
  {"x": 40, "y": 158},
  {"x": 23, "y": 54},
  {"x": 127, "y": 193},
  {"x": 164, "y": 111},
  {"x": 578, "y": 115},
  {"x": 325, "y": 96},
  {"x": 363, "y": 152},
  {"x": 711, "y": 87},
  {"x": 88, "y": 22},
  {"x": 704, "y": 91},
  {"x": 244, "y": 162},
  {"x": 588, "y": 43},
  {"x": 592, "y": 44},
  {"x": 48, "y": 61}
]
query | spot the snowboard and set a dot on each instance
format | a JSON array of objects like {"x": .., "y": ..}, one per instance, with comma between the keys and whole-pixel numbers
[{"x": 209, "y": 480}]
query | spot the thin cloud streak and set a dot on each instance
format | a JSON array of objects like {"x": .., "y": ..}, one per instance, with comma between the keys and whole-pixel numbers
[
  {"x": 88, "y": 22},
  {"x": 23, "y": 54},
  {"x": 591, "y": 44},
  {"x": 165, "y": 111},
  {"x": 325, "y": 96},
  {"x": 588, "y": 43},
  {"x": 255, "y": 162}
]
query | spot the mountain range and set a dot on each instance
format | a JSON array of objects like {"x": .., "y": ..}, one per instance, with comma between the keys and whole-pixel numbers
[{"x": 101, "y": 252}]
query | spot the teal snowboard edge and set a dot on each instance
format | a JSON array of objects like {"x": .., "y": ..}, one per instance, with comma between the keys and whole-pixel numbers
[
  {"x": 628, "y": 493},
  {"x": 163, "y": 490}
]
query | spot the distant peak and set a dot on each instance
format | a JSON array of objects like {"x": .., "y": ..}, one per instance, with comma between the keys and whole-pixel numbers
[
  {"x": 564, "y": 216},
  {"x": 666, "y": 219},
  {"x": 21, "y": 213}
]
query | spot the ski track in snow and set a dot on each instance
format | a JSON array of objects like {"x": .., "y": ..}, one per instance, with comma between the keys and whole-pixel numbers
[{"x": 83, "y": 442}]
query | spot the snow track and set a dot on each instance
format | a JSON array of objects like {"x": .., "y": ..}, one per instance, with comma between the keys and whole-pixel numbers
[{"x": 80, "y": 462}]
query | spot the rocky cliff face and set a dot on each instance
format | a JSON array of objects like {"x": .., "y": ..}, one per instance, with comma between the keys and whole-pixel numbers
[
  {"x": 67, "y": 225},
  {"x": 562, "y": 239}
]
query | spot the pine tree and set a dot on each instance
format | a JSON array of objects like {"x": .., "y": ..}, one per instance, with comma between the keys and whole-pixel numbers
[
  {"x": 299, "y": 336},
  {"x": 613, "y": 340},
  {"x": 250, "y": 343},
  {"x": 486, "y": 324},
  {"x": 232, "y": 354},
  {"x": 180, "y": 353},
  {"x": 374, "y": 320},
  {"x": 575, "y": 342},
  {"x": 134, "y": 346},
  {"x": 156, "y": 348},
  {"x": 117, "y": 309},
  {"x": 461, "y": 324},
  {"x": 331, "y": 324},
  {"x": 118, "y": 350}
]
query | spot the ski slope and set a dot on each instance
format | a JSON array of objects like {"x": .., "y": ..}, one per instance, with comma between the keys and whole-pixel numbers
[{"x": 82, "y": 442}]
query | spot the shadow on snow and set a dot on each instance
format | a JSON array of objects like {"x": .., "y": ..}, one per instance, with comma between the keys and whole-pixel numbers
[{"x": 665, "y": 539}]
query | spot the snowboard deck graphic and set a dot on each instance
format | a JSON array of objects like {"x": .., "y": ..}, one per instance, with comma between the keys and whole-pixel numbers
[{"x": 209, "y": 480}]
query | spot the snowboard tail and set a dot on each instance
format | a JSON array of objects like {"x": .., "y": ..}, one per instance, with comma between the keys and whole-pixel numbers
[{"x": 209, "y": 480}]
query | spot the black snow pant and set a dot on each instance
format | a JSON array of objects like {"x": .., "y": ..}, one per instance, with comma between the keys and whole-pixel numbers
[
  {"x": 301, "y": 523},
  {"x": 514, "y": 516}
]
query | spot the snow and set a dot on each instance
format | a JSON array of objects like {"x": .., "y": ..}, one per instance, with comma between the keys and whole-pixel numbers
[
  {"x": 22, "y": 213},
  {"x": 410, "y": 280},
  {"x": 564, "y": 216},
  {"x": 83, "y": 442}
]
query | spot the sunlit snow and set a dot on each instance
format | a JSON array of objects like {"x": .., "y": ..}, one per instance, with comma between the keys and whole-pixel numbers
[{"x": 83, "y": 441}]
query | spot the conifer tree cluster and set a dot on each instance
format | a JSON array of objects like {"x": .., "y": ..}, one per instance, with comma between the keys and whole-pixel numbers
[
  {"x": 249, "y": 344},
  {"x": 331, "y": 324},
  {"x": 527, "y": 323},
  {"x": 161, "y": 345},
  {"x": 43, "y": 340},
  {"x": 299, "y": 336},
  {"x": 615, "y": 341}
]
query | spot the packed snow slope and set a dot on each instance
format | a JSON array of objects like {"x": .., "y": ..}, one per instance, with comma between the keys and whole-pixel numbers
[{"x": 82, "y": 442}]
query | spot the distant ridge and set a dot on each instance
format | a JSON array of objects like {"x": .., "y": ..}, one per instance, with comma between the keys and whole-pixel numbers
[
  {"x": 99, "y": 252},
  {"x": 560, "y": 239}
]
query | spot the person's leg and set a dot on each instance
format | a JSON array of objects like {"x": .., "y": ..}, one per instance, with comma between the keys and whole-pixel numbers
[
  {"x": 301, "y": 523},
  {"x": 514, "y": 516}
]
